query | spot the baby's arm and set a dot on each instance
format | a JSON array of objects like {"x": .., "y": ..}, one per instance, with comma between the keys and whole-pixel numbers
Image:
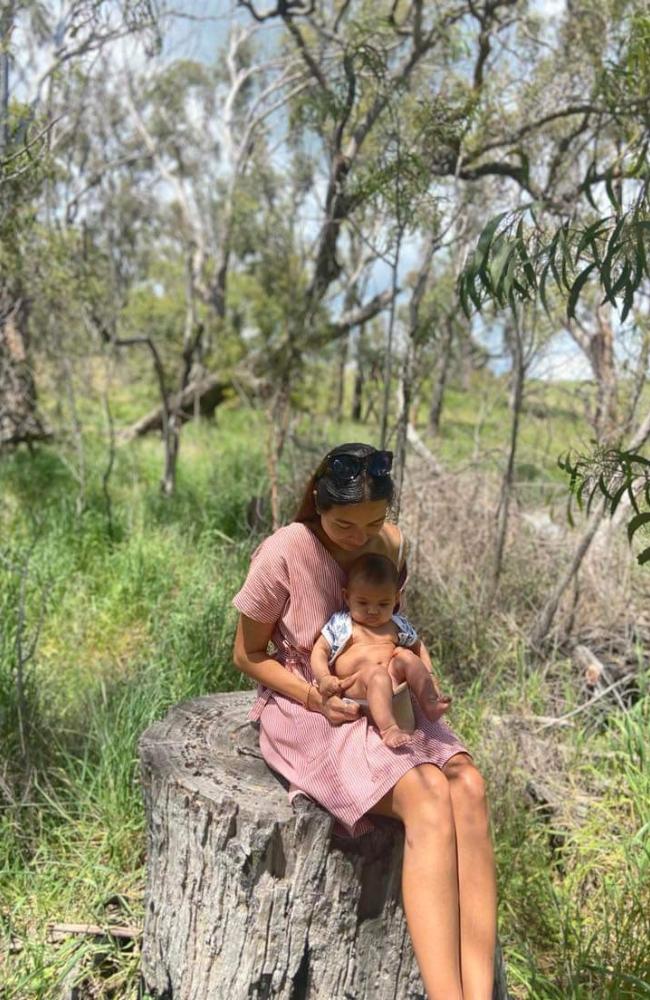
[{"x": 327, "y": 683}]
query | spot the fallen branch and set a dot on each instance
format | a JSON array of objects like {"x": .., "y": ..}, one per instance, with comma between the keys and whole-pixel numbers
[
  {"x": 59, "y": 932},
  {"x": 581, "y": 708},
  {"x": 210, "y": 392},
  {"x": 420, "y": 448}
]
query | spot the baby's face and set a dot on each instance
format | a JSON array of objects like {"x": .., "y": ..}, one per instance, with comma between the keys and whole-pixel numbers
[{"x": 370, "y": 604}]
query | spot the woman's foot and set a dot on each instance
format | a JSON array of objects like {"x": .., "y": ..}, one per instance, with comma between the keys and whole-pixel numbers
[
  {"x": 434, "y": 707},
  {"x": 394, "y": 736}
]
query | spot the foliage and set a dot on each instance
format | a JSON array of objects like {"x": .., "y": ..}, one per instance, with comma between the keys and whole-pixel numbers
[
  {"x": 515, "y": 263},
  {"x": 142, "y": 621},
  {"x": 611, "y": 475}
]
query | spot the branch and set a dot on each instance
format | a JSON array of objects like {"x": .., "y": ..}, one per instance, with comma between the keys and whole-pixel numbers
[{"x": 354, "y": 317}]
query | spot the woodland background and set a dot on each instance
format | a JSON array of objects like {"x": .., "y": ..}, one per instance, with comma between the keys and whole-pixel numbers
[{"x": 233, "y": 236}]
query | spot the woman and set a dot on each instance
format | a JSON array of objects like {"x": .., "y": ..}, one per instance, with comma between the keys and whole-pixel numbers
[{"x": 327, "y": 750}]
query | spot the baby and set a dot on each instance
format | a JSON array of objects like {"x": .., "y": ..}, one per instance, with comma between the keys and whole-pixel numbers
[{"x": 379, "y": 648}]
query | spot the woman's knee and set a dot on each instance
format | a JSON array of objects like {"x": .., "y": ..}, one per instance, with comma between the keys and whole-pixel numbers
[
  {"x": 425, "y": 805},
  {"x": 467, "y": 788}
]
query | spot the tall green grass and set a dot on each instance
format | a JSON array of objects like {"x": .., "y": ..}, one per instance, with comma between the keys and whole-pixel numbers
[{"x": 137, "y": 616}]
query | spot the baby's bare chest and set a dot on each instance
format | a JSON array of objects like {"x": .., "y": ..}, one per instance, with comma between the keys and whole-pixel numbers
[{"x": 366, "y": 646}]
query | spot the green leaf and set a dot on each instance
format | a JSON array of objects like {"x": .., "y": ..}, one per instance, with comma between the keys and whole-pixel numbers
[
  {"x": 592, "y": 494},
  {"x": 542, "y": 289},
  {"x": 636, "y": 523},
  {"x": 617, "y": 497},
  {"x": 590, "y": 235},
  {"x": 628, "y": 302},
  {"x": 622, "y": 279},
  {"x": 630, "y": 493},
  {"x": 640, "y": 249},
  {"x": 462, "y": 293},
  {"x": 499, "y": 265},
  {"x": 486, "y": 237},
  {"x": 529, "y": 270},
  {"x": 611, "y": 194},
  {"x": 578, "y": 285},
  {"x": 551, "y": 256},
  {"x": 643, "y": 557},
  {"x": 473, "y": 291},
  {"x": 587, "y": 187}
]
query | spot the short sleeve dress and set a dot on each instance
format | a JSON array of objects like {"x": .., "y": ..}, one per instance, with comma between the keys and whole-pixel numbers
[{"x": 296, "y": 584}]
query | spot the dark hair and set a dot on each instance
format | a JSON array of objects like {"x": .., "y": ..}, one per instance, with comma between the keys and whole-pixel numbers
[
  {"x": 373, "y": 569},
  {"x": 330, "y": 492}
]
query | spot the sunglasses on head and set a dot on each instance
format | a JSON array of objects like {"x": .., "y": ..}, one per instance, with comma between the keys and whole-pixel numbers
[{"x": 345, "y": 467}]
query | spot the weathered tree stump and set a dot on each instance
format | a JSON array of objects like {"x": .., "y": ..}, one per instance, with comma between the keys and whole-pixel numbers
[{"x": 248, "y": 898}]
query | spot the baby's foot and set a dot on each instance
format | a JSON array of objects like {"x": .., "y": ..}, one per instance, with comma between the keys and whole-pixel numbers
[
  {"x": 394, "y": 736},
  {"x": 434, "y": 707}
]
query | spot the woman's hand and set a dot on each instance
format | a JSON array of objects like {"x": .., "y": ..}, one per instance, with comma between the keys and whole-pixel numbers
[{"x": 337, "y": 710}]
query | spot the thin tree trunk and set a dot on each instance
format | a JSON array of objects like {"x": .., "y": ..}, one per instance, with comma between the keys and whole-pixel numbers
[
  {"x": 602, "y": 351},
  {"x": 503, "y": 510},
  {"x": 388, "y": 360},
  {"x": 80, "y": 473},
  {"x": 444, "y": 365},
  {"x": 170, "y": 420},
  {"x": 6, "y": 26},
  {"x": 340, "y": 389},
  {"x": 545, "y": 618},
  {"x": 359, "y": 378},
  {"x": 405, "y": 394},
  {"x": 408, "y": 368}
]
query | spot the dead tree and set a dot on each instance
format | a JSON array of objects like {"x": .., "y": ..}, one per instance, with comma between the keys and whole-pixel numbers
[{"x": 249, "y": 898}]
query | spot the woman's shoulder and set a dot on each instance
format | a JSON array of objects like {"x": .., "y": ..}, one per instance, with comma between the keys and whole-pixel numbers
[
  {"x": 394, "y": 542},
  {"x": 286, "y": 533},
  {"x": 284, "y": 540}
]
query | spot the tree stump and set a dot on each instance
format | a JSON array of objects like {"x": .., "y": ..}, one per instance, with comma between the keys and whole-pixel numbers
[{"x": 248, "y": 898}]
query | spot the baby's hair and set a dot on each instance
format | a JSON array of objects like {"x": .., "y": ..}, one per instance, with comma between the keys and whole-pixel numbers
[{"x": 373, "y": 569}]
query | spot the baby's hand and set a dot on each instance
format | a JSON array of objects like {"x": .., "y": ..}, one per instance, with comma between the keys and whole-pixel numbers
[{"x": 329, "y": 686}]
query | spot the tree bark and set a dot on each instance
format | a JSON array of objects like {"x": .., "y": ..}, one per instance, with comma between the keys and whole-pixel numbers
[
  {"x": 19, "y": 420},
  {"x": 209, "y": 392},
  {"x": 251, "y": 899}
]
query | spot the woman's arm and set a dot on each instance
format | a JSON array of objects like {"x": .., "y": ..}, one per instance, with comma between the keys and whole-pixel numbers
[{"x": 250, "y": 656}]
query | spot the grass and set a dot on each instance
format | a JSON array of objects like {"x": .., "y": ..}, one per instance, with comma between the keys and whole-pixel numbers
[{"x": 137, "y": 619}]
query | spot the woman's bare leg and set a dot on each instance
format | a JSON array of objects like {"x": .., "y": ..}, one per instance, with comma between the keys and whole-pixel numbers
[
  {"x": 379, "y": 692},
  {"x": 476, "y": 877},
  {"x": 421, "y": 799}
]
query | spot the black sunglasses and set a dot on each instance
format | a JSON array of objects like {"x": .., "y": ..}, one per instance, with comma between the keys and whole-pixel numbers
[{"x": 345, "y": 467}]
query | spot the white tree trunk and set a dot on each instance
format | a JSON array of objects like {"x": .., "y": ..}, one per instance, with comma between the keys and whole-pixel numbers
[{"x": 248, "y": 898}]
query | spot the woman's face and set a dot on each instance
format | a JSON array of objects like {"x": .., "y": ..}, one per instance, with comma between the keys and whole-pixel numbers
[{"x": 350, "y": 526}]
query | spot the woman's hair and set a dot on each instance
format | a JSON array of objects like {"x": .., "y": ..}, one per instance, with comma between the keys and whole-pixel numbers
[
  {"x": 376, "y": 570},
  {"x": 329, "y": 491}
]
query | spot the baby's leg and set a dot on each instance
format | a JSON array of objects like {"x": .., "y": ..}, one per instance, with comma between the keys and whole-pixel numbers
[
  {"x": 405, "y": 665},
  {"x": 379, "y": 692}
]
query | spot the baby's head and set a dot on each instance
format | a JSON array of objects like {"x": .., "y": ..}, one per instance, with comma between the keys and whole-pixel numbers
[{"x": 371, "y": 591}]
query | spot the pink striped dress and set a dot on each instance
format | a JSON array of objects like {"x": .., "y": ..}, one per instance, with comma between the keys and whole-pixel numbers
[{"x": 296, "y": 584}]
